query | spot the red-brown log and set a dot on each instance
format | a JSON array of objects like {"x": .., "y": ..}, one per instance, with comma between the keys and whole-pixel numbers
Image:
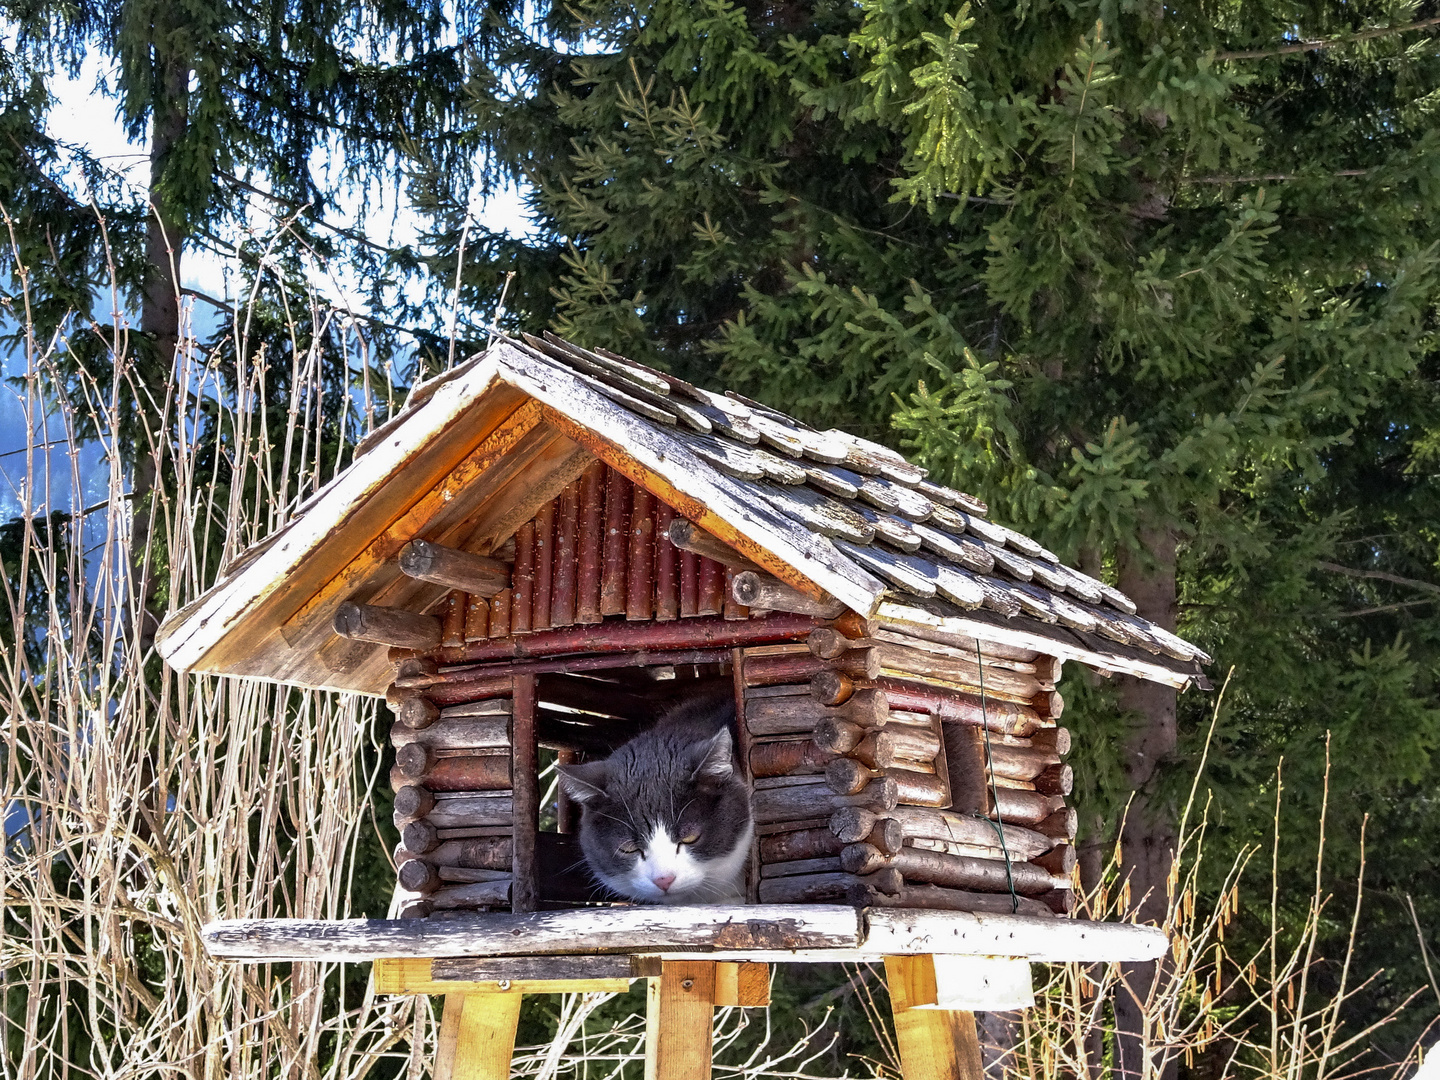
[
  {"x": 477, "y": 619},
  {"x": 474, "y": 690},
  {"x": 413, "y": 760},
  {"x": 1054, "y": 740},
  {"x": 452, "y": 620},
  {"x": 640, "y": 576},
  {"x": 787, "y": 758},
  {"x": 567, "y": 525},
  {"x": 831, "y": 687},
  {"x": 1020, "y": 762},
  {"x": 526, "y": 802},
  {"x": 416, "y": 673},
  {"x": 667, "y": 567},
  {"x": 625, "y": 637},
  {"x": 500, "y": 613},
  {"x": 386, "y": 626},
  {"x": 710, "y": 598},
  {"x": 591, "y": 542},
  {"x": 544, "y": 589},
  {"x": 567, "y": 811},
  {"x": 522, "y": 598},
  {"x": 800, "y": 844},
  {"x": 689, "y": 584},
  {"x": 798, "y": 667},
  {"x": 615, "y": 557},
  {"x": 1056, "y": 780},
  {"x": 1048, "y": 704},
  {"x": 827, "y": 643},
  {"x": 1060, "y": 825},
  {"x": 1058, "y": 860},
  {"x": 487, "y": 772}
]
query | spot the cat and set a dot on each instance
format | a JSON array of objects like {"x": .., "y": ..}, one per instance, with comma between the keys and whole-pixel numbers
[{"x": 666, "y": 818}]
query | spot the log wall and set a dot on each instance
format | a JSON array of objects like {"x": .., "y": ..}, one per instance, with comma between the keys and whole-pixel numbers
[{"x": 882, "y": 776}]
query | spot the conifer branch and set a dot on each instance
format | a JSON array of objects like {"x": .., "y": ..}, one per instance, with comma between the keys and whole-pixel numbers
[
  {"x": 1264, "y": 177},
  {"x": 1326, "y": 43},
  {"x": 1379, "y": 575}
]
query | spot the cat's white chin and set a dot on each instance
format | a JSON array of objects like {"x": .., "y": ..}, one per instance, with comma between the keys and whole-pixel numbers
[{"x": 710, "y": 881}]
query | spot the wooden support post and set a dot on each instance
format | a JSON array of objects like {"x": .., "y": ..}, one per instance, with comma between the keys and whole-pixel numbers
[
  {"x": 934, "y": 1044},
  {"x": 477, "y": 1036},
  {"x": 526, "y": 794},
  {"x": 679, "y": 1021}
]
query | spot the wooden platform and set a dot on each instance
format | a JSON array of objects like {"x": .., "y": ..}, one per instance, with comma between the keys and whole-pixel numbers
[{"x": 940, "y": 966}]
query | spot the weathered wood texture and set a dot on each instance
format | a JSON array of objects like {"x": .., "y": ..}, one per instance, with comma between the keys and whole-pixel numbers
[{"x": 477, "y": 1036}]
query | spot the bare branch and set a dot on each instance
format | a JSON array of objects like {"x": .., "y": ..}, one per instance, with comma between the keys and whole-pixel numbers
[{"x": 1327, "y": 43}]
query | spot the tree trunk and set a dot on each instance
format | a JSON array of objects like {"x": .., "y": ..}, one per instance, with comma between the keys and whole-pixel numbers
[
  {"x": 1147, "y": 839},
  {"x": 160, "y": 323}
]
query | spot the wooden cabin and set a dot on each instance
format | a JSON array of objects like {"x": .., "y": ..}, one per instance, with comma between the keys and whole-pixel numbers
[{"x": 548, "y": 545}]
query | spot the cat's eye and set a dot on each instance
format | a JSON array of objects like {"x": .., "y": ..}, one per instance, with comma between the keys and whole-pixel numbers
[
  {"x": 630, "y": 847},
  {"x": 690, "y": 837}
]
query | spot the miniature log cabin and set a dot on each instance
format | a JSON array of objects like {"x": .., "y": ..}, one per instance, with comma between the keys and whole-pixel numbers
[{"x": 549, "y": 545}]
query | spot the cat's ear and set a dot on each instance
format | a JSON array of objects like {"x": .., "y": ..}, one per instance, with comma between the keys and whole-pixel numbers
[
  {"x": 713, "y": 759},
  {"x": 584, "y": 783}
]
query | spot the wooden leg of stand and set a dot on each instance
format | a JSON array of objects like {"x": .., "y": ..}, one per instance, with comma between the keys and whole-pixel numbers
[
  {"x": 477, "y": 1036},
  {"x": 934, "y": 1044},
  {"x": 678, "y": 1021}
]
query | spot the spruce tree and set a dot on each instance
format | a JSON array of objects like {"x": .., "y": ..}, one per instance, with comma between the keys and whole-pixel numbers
[{"x": 1157, "y": 282}]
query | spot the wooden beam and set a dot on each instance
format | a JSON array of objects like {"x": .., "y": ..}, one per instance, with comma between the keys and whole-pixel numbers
[
  {"x": 759, "y": 590},
  {"x": 687, "y": 536},
  {"x": 679, "y": 1021},
  {"x": 580, "y": 932},
  {"x": 933, "y": 1045},
  {"x": 962, "y": 933},
  {"x": 477, "y": 1036},
  {"x": 742, "y": 985},
  {"x": 526, "y": 793},
  {"x": 387, "y": 626},
  {"x": 470, "y": 573},
  {"x": 414, "y": 975}
]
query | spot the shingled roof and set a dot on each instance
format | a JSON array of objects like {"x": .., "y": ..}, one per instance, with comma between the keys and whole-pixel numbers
[{"x": 825, "y": 511}]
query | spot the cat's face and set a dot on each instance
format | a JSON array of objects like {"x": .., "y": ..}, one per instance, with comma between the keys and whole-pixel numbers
[{"x": 665, "y": 819}]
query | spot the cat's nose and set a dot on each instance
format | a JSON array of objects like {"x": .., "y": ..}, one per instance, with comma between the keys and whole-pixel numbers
[{"x": 664, "y": 881}]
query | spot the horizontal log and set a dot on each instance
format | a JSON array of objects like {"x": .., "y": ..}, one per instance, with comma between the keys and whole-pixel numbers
[
  {"x": 815, "y": 799},
  {"x": 386, "y": 626},
  {"x": 950, "y": 847},
  {"x": 480, "y": 810},
  {"x": 1055, "y": 780},
  {"x": 482, "y": 673},
  {"x": 799, "y": 844},
  {"x": 956, "y": 641},
  {"x": 796, "y": 714},
  {"x": 418, "y": 876},
  {"x": 1060, "y": 825},
  {"x": 809, "y": 888},
  {"x": 1025, "y": 807},
  {"x": 1048, "y": 704},
  {"x": 849, "y": 777},
  {"x": 877, "y": 749},
  {"x": 831, "y": 687},
  {"x": 937, "y": 898},
  {"x": 415, "y": 672},
  {"x": 1058, "y": 860},
  {"x": 461, "y": 733},
  {"x": 416, "y": 711},
  {"x": 953, "y": 871},
  {"x": 1054, "y": 740},
  {"x": 467, "y": 874},
  {"x": 474, "y": 895},
  {"x": 440, "y": 565},
  {"x": 856, "y": 824},
  {"x": 473, "y": 772},
  {"x": 788, "y": 757},
  {"x": 998, "y": 681},
  {"x": 852, "y": 824},
  {"x": 1003, "y": 717},
  {"x": 413, "y": 802},
  {"x": 469, "y": 691},
  {"x": 623, "y": 637},
  {"x": 797, "y": 667},
  {"x": 1025, "y": 661},
  {"x": 412, "y": 760},
  {"x": 1020, "y": 762},
  {"x": 688, "y": 536},
  {"x": 648, "y": 929},
  {"x": 794, "y": 868},
  {"x": 419, "y": 837},
  {"x": 514, "y": 969},
  {"x": 762, "y": 592}
]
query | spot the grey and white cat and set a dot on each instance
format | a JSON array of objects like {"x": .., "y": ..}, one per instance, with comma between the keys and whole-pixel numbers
[{"x": 666, "y": 817}]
